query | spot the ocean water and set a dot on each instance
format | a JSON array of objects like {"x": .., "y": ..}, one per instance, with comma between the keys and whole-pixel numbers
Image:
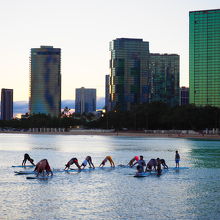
[{"x": 192, "y": 193}]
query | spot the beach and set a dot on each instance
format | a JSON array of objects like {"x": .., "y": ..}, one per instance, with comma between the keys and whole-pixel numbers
[{"x": 122, "y": 133}]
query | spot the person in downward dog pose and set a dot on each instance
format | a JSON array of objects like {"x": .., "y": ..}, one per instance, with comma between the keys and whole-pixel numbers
[
  {"x": 130, "y": 164},
  {"x": 42, "y": 166},
  {"x": 27, "y": 157},
  {"x": 107, "y": 158},
  {"x": 89, "y": 161},
  {"x": 71, "y": 162},
  {"x": 163, "y": 163}
]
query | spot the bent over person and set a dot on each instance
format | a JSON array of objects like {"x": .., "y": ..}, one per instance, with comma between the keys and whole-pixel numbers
[
  {"x": 131, "y": 162},
  {"x": 42, "y": 166},
  {"x": 107, "y": 158},
  {"x": 71, "y": 162},
  {"x": 27, "y": 157},
  {"x": 89, "y": 161}
]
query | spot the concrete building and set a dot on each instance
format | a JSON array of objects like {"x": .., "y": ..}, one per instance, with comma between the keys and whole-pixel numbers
[
  {"x": 85, "y": 100},
  {"x": 45, "y": 81},
  {"x": 164, "y": 78},
  {"x": 184, "y": 96},
  {"x": 6, "y": 104},
  {"x": 204, "y": 57}
]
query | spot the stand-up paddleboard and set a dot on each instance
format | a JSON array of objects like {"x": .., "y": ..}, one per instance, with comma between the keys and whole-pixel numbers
[
  {"x": 27, "y": 166},
  {"x": 38, "y": 177},
  {"x": 143, "y": 174},
  {"x": 25, "y": 172},
  {"x": 178, "y": 168},
  {"x": 28, "y": 172}
]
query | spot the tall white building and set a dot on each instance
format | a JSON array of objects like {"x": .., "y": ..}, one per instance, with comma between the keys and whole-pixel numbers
[{"x": 85, "y": 101}]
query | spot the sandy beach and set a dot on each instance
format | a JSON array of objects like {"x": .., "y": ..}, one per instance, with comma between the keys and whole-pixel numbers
[{"x": 121, "y": 133}]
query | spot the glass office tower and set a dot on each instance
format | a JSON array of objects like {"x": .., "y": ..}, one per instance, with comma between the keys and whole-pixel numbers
[
  {"x": 129, "y": 73},
  {"x": 204, "y": 57},
  {"x": 184, "y": 96},
  {"x": 6, "y": 104},
  {"x": 164, "y": 78},
  {"x": 85, "y": 101},
  {"x": 45, "y": 81}
]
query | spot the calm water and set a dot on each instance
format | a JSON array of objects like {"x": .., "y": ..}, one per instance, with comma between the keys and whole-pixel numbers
[{"x": 110, "y": 193}]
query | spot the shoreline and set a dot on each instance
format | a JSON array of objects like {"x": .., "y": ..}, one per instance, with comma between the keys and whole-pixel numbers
[{"x": 122, "y": 133}]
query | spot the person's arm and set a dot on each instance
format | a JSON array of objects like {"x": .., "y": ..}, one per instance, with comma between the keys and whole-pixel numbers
[
  {"x": 77, "y": 164},
  {"x": 134, "y": 164},
  {"x": 92, "y": 164},
  {"x": 113, "y": 163}
]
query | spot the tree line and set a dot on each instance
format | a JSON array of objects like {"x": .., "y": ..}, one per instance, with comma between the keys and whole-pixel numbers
[{"x": 151, "y": 116}]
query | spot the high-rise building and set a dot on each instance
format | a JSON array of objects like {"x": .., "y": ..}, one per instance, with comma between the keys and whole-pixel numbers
[
  {"x": 85, "y": 101},
  {"x": 184, "y": 96},
  {"x": 6, "y": 104},
  {"x": 129, "y": 73},
  {"x": 107, "y": 94},
  {"x": 45, "y": 81},
  {"x": 164, "y": 78},
  {"x": 204, "y": 57}
]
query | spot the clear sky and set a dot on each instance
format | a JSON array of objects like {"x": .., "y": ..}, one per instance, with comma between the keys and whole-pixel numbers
[{"x": 83, "y": 30}]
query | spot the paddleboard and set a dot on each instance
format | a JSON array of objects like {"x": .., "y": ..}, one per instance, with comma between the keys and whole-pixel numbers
[
  {"x": 28, "y": 172},
  {"x": 27, "y": 166},
  {"x": 178, "y": 168},
  {"x": 38, "y": 177},
  {"x": 144, "y": 174}
]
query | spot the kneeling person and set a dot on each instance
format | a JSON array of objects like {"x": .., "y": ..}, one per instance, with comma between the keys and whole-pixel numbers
[{"x": 42, "y": 166}]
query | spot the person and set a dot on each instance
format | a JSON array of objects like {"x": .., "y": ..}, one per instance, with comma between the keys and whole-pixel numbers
[
  {"x": 159, "y": 170},
  {"x": 27, "y": 157},
  {"x": 140, "y": 162},
  {"x": 163, "y": 163},
  {"x": 177, "y": 159},
  {"x": 136, "y": 158},
  {"x": 152, "y": 163},
  {"x": 42, "y": 166},
  {"x": 71, "y": 162},
  {"x": 89, "y": 161},
  {"x": 107, "y": 158},
  {"x": 140, "y": 169}
]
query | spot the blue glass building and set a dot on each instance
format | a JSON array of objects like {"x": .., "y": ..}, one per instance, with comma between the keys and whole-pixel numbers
[
  {"x": 45, "y": 81},
  {"x": 85, "y": 101}
]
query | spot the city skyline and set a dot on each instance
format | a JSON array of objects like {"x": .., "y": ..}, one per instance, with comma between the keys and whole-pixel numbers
[{"x": 83, "y": 32}]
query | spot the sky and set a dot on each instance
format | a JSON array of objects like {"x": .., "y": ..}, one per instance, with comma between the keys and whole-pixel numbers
[{"x": 83, "y": 30}]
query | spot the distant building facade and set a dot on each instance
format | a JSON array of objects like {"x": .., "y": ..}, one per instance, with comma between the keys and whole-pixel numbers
[
  {"x": 85, "y": 100},
  {"x": 129, "y": 71},
  {"x": 107, "y": 94},
  {"x": 184, "y": 96},
  {"x": 45, "y": 81},
  {"x": 6, "y": 104},
  {"x": 204, "y": 57},
  {"x": 138, "y": 76},
  {"x": 164, "y": 78}
]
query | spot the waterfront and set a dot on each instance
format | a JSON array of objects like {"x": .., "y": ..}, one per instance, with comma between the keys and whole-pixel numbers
[{"x": 110, "y": 193}]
